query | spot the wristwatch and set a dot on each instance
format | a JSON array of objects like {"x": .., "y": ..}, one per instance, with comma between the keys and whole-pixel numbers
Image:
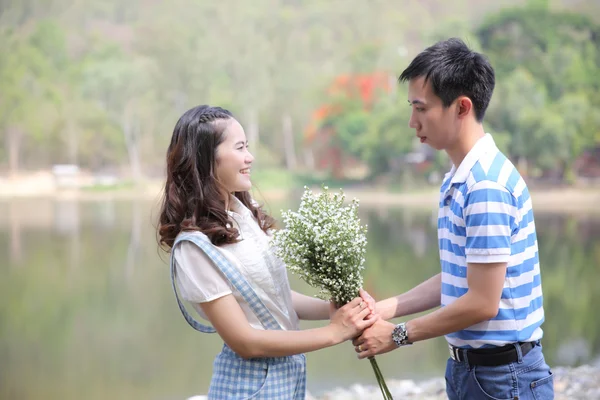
[{"x": 400, "y": 335}]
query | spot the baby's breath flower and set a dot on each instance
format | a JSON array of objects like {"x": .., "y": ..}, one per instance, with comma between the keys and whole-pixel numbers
[{"x": 325, "y": 244}]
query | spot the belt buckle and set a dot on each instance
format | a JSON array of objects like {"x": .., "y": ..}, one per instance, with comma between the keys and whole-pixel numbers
[{"x": 454, "y": 354}]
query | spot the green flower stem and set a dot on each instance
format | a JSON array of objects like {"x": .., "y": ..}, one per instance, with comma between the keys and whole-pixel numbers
[{"x": 380, "y": 380}]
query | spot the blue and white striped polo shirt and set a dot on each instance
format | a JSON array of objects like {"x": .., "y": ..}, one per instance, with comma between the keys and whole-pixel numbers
[{"x": 485, "y": 216}]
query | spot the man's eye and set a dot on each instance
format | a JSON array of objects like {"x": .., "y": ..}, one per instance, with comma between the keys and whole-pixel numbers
[{"x": 420, "y": 109}]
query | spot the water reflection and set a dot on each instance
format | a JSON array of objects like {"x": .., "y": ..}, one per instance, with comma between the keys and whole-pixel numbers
[
  {"x": 86, "y": 309},
  {"x": 135, "y": 240},
  {"x": 16, "y": 248}
]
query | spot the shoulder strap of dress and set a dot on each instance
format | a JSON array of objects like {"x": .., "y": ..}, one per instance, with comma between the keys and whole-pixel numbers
[{"x": 232, "y": 274}]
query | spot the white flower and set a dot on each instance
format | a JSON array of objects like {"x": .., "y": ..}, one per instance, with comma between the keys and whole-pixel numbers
[{"x": 325, "y": 244}]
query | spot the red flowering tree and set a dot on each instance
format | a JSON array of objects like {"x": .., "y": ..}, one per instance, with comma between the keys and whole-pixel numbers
[{"x": 350, "y": 99}]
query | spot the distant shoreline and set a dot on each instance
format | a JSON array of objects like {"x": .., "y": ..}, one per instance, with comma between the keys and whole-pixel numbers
[{"x": 563, "y": 199}]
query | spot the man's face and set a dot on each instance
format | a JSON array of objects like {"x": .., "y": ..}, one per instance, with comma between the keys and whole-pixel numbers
[{"x": 434, "y": 125}]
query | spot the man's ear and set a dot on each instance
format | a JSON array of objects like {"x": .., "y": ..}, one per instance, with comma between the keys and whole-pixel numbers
[{"x": 464, "y": 106}]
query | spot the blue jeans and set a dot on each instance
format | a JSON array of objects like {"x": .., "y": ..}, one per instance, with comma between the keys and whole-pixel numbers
[{"x": 527, "y": 378}]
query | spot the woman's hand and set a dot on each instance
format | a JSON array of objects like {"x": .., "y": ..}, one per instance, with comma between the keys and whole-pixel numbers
[
  {"x": 350, "y": 320},
  {"x": 371, "y": 303},
  {"x": 367, "y": 298}
]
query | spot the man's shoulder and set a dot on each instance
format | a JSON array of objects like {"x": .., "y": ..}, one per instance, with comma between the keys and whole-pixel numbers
[{"x": 496, "y": 171}]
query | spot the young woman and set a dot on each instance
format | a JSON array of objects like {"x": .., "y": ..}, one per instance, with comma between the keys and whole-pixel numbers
[{"x": 222, "y": 264}]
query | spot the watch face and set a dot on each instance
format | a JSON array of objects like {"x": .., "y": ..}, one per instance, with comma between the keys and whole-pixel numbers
[{"x": 399, "y": 335}]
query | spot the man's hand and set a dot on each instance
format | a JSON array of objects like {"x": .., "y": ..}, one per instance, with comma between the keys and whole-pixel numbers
[{"x": 375, "y": 340}]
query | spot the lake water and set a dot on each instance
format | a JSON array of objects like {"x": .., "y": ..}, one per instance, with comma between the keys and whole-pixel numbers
[{"x": 87, "y": 311}]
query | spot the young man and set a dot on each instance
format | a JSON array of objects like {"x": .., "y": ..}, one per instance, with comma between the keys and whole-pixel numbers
[{"x": 490, "y": 287}]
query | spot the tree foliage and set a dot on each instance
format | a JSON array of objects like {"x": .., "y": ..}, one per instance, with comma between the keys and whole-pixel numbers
[{"x": 101, "y": 83}]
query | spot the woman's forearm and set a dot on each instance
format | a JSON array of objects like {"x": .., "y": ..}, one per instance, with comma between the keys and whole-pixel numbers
[
  {"x": 271, "y": 343},
  {"x": 232, "y": 325}
]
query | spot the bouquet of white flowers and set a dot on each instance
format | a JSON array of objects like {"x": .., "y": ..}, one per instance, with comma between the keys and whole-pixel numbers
[{"x": 325, "y": 244}]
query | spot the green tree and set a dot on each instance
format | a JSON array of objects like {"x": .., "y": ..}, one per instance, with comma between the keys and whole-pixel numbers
[{"x": 547, "y": 83}]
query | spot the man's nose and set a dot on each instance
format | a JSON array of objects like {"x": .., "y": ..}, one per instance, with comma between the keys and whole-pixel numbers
[{"x": 412, "y": 122}]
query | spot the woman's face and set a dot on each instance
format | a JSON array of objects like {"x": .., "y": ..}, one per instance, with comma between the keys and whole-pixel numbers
[{"x": 233, "y": 160}]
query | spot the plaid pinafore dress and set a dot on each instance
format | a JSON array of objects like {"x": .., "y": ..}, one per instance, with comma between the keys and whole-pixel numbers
[{"x": 274, "y": 378}]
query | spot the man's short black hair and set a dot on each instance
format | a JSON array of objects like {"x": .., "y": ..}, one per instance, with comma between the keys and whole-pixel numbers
[{"x": 454, "y": 70}]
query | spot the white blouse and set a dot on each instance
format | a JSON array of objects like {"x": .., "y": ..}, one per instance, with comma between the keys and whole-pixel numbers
[{"x": 200, "y": 281}]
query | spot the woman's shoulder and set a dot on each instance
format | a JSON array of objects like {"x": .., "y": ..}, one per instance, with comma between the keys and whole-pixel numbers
[
  {"x": 189, "y": 236},
  {"x": 185, "y": 247},
  {"x": 187, "y": 243},
  {"x": 189, "y": 254}
]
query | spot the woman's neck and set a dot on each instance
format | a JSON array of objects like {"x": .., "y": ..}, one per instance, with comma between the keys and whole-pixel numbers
[{"x": 228, "y": 202}]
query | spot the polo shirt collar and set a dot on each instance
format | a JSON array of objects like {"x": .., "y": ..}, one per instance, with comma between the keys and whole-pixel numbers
[{"x": 482, "y": 146}]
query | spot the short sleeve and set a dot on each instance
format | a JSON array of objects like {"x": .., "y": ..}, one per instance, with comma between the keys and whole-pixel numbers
[
  {"x": 490, "y": 212},
  {"x": 198, "y": 278}
]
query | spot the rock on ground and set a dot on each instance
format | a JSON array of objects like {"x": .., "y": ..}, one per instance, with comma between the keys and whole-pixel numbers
[{"x": 581, "y": 383}]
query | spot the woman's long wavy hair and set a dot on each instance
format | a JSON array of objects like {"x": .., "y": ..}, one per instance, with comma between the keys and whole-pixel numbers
[{"x": 193, "y": 197}]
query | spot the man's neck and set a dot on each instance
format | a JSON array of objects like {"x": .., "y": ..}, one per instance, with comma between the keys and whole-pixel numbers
[{"x": 464, "y": 144}]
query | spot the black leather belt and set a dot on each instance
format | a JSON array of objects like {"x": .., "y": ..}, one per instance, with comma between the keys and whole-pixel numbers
[{"x": 491, "y": 357}]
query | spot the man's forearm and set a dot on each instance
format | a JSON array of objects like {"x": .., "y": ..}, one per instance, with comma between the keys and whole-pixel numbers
[
  {"x": 421, "y": 298},
  {"x": 463, "y": 313},
  {"x": 310, "y": 308}
]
